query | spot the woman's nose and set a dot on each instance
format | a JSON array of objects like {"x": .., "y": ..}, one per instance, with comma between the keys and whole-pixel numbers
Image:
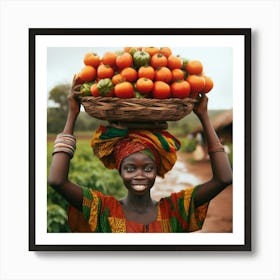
[{"x": 139, "y": 174}]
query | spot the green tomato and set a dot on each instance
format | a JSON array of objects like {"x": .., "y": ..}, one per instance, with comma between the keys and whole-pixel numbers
[
  {"x": 105, "y": 87},
  {"x": 141, "y": 58},
  {"x": 138, "y": 94},
  {"x": 85, "y": 88}
]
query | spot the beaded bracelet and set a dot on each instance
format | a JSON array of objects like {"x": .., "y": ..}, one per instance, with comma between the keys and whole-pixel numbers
[{"x": 65, "y": 143}]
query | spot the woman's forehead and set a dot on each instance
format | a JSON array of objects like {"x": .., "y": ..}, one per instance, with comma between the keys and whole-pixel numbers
[{"x": 137, "y": 157}]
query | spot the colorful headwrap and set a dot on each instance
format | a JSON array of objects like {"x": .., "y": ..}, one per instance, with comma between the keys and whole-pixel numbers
[{"x": 111, "y": 145}]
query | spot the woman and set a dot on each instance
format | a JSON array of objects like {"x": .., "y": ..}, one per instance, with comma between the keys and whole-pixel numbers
[{"x": 139, "y": 155}]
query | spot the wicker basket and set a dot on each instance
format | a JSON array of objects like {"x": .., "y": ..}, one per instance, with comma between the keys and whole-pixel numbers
[{"x": 137, "y": 109}]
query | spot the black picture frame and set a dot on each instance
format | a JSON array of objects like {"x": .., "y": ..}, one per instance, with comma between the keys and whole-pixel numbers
[{"x": 34, "y": 33}]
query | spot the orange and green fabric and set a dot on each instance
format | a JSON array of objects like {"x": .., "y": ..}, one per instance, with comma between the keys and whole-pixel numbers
[
  {"x": 108, "y": 145},
  {"x": 101, "y": 213}
]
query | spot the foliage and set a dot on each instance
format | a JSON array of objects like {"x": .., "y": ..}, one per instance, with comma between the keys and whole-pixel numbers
[
  {"x": 57, "y": 114},
  {"x": 188, "y": 145},
  {"x": 57, "y": 218},
  {"x": 59, "y": 96}
]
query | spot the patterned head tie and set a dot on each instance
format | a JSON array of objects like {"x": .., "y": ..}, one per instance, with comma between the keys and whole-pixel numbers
[{"x": 111, "y": 145}]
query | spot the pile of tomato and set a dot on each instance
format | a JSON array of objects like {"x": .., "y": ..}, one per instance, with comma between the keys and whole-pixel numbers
[{"x": 142, "y": 72}]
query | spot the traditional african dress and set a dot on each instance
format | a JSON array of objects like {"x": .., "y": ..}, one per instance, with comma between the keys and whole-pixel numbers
[{"x": 101, "y": 213}]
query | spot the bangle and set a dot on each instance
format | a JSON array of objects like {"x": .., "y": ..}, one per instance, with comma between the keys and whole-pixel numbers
[
  {"x": 65, "y": 143},
  {"x": 218, "y": 148}
]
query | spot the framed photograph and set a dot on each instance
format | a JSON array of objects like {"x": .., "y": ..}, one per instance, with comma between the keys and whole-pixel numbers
[{"x": 57, "y": 55}]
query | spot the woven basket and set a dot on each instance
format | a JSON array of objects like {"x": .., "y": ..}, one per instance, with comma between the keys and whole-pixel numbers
[{"x": 137, "y": 109}]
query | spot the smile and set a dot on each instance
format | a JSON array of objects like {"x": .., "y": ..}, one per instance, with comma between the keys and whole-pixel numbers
[{"x": 139, "y": 187}]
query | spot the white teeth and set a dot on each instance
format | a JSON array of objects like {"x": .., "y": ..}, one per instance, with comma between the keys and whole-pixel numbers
[{"x": 139, "y": 187}]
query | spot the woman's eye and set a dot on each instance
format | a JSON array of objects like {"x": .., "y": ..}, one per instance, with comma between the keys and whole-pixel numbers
[
  {"x": 148, "y": 168},
  {"x": 129, "y": 168}
]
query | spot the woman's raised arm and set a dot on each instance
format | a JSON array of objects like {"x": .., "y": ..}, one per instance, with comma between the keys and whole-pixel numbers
[
  {"x": 221, "y": 169},
  {"x": 64, "y": 147}
]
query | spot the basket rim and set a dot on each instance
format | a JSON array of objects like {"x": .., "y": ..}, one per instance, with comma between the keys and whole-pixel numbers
[
  {"x": 139, "y": 100},
  {"x": 136, "y": 109}
]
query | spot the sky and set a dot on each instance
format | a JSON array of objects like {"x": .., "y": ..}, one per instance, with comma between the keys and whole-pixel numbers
[{"x": 64, "y": 62}]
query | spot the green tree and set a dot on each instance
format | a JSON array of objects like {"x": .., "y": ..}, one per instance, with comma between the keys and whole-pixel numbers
[
  {"x": 58, "y": 113},
  {"x": 59, "y": 96}
]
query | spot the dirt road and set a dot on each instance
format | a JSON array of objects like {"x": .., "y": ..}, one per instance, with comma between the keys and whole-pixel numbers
[{"x": 183, "y": 175}]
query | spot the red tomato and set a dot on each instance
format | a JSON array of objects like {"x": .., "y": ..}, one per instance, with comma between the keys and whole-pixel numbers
[
  {"x": 146, "y": 72},
  {"x": 124, "y": 60},
  {"x": 144, "y": 85},
  {"x": 87, "y": 73},
  {"x": 129, "y": 74},
  {"x": 158, "y": 60},
  {"x": 94, "y": 90},
  {"x": 180, "y": 89},
  {"x": 208, "y": 84},
  {"x": 161, "y": 90},
  {"x": 197, "y": 83},
  {"x": 163, "y": 74},
  {"x": 124, "y": 90},
  {"x": 105, "y": 71}
]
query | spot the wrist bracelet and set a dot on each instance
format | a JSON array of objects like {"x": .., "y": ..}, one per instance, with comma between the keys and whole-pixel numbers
[{"x": 65, "y": 143}]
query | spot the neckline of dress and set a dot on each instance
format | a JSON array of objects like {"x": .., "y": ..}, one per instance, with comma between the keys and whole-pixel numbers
[{"x": 130, "y": 221}]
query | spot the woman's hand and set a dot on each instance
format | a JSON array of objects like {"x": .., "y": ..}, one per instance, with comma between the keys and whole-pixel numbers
[
  {"x": 73, "y": 101},
  {"x": 201, "y": 108}
]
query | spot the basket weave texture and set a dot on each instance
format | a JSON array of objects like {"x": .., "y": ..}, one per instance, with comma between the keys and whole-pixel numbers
[{"x": 137, "y": 109}]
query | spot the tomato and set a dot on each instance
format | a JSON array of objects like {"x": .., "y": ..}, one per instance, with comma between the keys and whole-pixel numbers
[
  {"x": 109, "y": 58},
  {"x": 129, "y": 74},
  {"x": 197, "y": 84},
  {"x": 163, "y": 74},
  {"x": 177, "y": 74},
  {"x": 92, "y": 59},
  {"x": 87, "y": 73},
  {"x": 161, "y": 90},
  {"x": 151, "y": 50},
  {"x": 194, "y": 67},
  {"x": 85, "y": 88},
  {"x": 124, "y": 60},
  {"x": 117, "y": 79},
  {"x": 141, "y": 58},
  {"x": 138, "y": 94},
  {"x": 174, "y": 62},
  {"x": 124, "y": 90},
  {"x": 144, "y": 85},
  {"x": 158, "y": 60},
  {"x": 208, "y": 84},
  {"x": 180, "y": 89},
  {"x": 146, "y": 72},
  {"x": 132, "y": 50},
  {"x": 94, "y": 90},
  {"x": 105, "y": 71},
  {"x": 105, "y": 87},
  {"x": 166, "y": 51}
]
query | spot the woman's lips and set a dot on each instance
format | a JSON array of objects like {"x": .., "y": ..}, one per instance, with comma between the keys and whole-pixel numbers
[{"x": 139, "y": 187}]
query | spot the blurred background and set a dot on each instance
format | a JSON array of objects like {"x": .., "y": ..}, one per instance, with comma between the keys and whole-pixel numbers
[{"x": 193, "y": 166}]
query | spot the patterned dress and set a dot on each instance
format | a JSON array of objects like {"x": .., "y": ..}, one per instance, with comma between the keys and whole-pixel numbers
[{"x": 101, "y": 213}]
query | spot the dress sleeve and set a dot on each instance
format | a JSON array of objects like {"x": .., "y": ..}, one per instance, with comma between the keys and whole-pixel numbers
[
  {"x": 92, "y": 201},
  {"x": 195, "y": 215},
  {"x": 86, "y": 220}
]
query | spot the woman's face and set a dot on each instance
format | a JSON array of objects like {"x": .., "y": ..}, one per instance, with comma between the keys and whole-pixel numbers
[{"x": 138, "y": 172}]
